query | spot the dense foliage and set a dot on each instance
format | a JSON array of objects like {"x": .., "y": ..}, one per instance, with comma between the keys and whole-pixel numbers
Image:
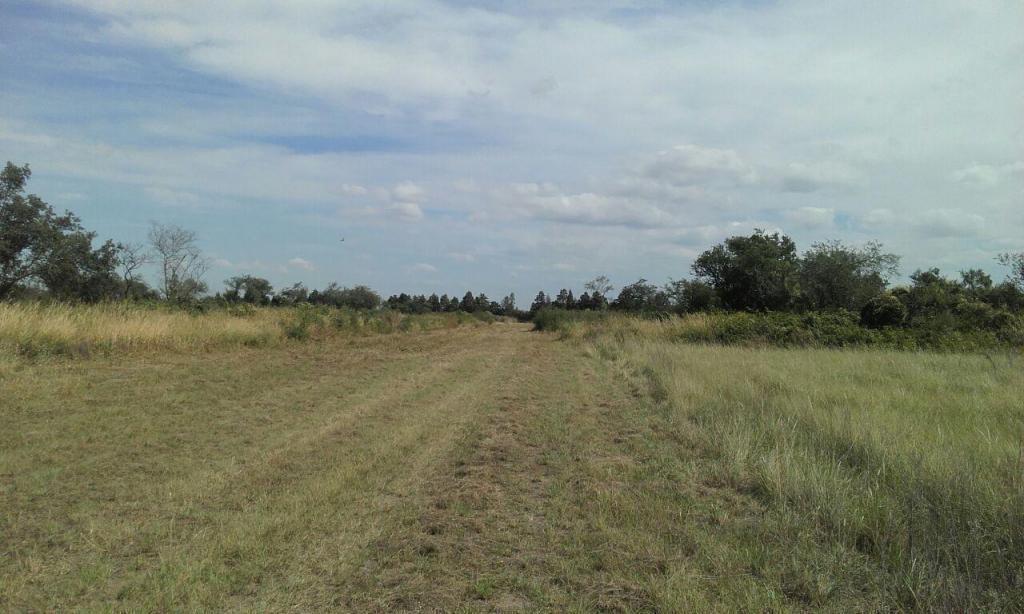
[{"x": 832, "y": 294}]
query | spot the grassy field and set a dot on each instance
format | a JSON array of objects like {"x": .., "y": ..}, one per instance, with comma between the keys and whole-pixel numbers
[
  {"x": 490, "y": 468},
  {"x": 44, "y": 330}
]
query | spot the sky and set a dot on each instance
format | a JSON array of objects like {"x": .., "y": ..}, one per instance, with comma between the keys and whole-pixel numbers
[{"x": 507, "y": 146}]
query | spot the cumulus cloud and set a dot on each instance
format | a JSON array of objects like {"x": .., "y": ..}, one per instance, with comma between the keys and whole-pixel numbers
[
  {"x": 408, "y": 192},
  {"x": 668, "y": 128},
  {"x": 300, "y": 264},
  {"x": 690, "y": 164},
  {"x": 548, "y": 202},
  {"x": 406, "y": 212}
]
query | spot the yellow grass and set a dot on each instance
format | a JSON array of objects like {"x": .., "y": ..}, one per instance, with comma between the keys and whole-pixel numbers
[{"x": 30, "y": 328}]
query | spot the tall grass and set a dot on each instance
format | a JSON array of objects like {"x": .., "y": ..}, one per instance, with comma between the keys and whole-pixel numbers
[
  {"x": 38, "y": 329},
  {"x": 914, "y": 459},
  {"x": 817, "y": 329},
  {"x": 31, "y": 329}
]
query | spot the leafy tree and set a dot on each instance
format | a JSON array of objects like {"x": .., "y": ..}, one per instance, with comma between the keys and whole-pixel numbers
[
  {"x": 250, "y": 289},
  {"x": 975, "y": 281},
  {"x": 435, "y": 303},
  {"x": 641, "y": 296},
  {"x": 540, "y": 302},
  {"x": 754, "y": 273},
  {"x": 562, "y": 301},
  {"x": 181, "y": 262},
  {"x": 508, "y": 304},
  {"x": 468, "y": 302},
  {"x": 1016, "y": 264},
  {"x": 81, "y": 272},
  {"x": 837, "y": 276},
  {"x": 293, "y": 295},
  {"x": 883, "y": 310},
  {"x": 690, "y": 295},
  {"x": 360, "y": 297},
  {"x": 37, "y": 244}
]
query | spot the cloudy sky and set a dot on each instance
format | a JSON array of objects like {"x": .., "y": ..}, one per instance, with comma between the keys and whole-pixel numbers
[{"x": 512, "y": 146}]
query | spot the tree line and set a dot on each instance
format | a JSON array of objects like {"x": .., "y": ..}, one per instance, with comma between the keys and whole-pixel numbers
[
  {"x": 46, "y": 254},
  {"x": 764, "y": 272}
]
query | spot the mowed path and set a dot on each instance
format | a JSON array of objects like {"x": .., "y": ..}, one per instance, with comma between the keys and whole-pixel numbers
[{"x": 486, "y": 468}]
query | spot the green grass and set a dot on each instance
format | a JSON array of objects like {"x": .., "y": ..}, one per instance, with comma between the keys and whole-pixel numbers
[
  {"x": 466, "y": 467},
  {"x": 839, "y": 329},
  {"x": 914, "y": 460}
]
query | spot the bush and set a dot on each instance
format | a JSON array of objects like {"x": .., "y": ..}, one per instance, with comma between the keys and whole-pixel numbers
[
  {"x": 305, "y": 317},
  {"x": 883, "y": 310},
  {"x": 554, "y": 319}
]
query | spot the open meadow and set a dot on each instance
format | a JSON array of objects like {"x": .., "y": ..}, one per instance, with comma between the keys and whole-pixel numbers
[{"x": 280, "y": 460}]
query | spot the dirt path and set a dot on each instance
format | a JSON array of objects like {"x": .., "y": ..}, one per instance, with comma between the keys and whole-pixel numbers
[{"x": 484, "y": 469}]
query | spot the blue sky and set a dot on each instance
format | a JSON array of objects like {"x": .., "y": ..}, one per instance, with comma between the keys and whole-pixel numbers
[{"x": 510, "y": 146}]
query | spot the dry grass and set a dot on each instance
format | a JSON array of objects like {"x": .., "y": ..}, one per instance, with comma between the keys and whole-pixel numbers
[
  {"x": 36, "y": 329},
  {"x": 33, "y": 328}
]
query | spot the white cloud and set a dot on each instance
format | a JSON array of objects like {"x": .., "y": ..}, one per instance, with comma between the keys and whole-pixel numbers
[
  {"x": 681, "y": 123},
  {"x": 171, "y": 197},
  {"x": 810, "y": 217},
  {"x": 301, "y": 264},
  {"x": 691, "y": 164},
  {"x": 948, "y": 223},
  {"x": 407, "y": 212},
  {"x": 355, "y": 190},
  {"x": 987, "y": 175},
  {"x": 878, "y": 217},
  {"x": 804, "y": 178},
  {"x": 423, "y": 267},
  {"x": 549, "y": 202},
  {"x": 408, "y": 192}
]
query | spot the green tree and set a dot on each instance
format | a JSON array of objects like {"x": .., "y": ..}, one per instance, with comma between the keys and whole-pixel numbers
[
  {"x": 81, "y": 272},
  {"x": 1016, "y": 264},
  {"x": 641, "y": 296},
  {"x": 541, "y": 301},
  {"x": 38, "y": 245},
  {"x": 754, "y": 273},
  {"x": 837, "y": 276},
  {"x": 293, "y": 295},
  {"x": 690, "y": 295},
  {"x": 250, "y": 289},
  {"x": 508, "y": 304}
]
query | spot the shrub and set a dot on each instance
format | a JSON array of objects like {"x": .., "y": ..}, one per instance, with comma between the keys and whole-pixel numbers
[
  {"x": 305, "y": 317},
  {"x": 883, "y": 310}
]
